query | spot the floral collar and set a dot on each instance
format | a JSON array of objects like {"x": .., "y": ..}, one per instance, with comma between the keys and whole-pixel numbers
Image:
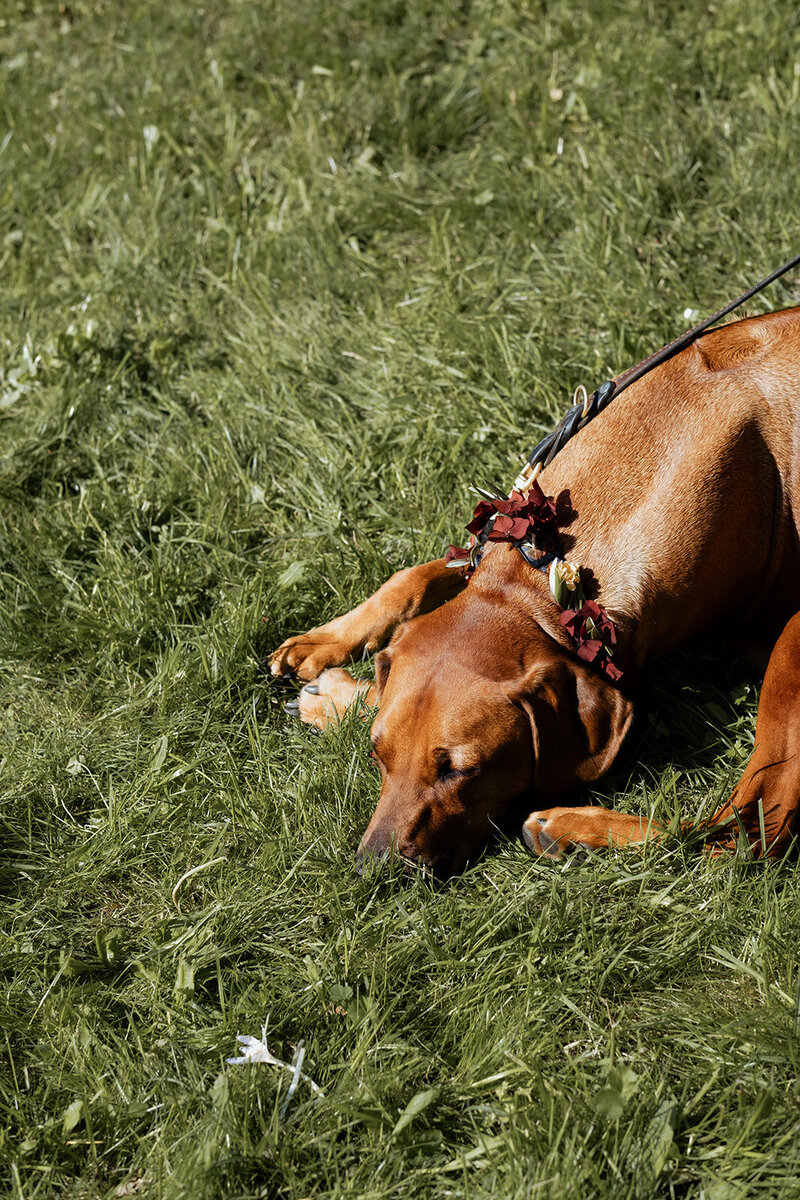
[{"x": 530, "y": 522}]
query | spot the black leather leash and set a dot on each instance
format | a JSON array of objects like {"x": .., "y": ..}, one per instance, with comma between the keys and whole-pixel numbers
[{"x": 579, "y": 416}]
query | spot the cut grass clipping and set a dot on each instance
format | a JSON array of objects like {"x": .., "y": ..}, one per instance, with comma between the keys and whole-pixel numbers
[{"x": 279, "y": 281}]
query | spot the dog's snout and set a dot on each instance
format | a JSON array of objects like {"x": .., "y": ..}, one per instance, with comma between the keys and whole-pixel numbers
[
  {"x": 375, "y": 847},
  {"x": 381, "y": 845},
  {"x": 366, "y": 858}
]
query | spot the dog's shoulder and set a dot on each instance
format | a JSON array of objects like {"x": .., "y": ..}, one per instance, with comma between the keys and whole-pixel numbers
[{"x": 748, "y": 341}]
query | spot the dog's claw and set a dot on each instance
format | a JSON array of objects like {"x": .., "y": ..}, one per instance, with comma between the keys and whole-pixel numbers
[
  {"x": 292, "y": 707},
  {"x": 546, "y": 842},
  {"x": 279, "y": 681},
  {"x": 312, "y": 689},
  {"x": 283, "y": 681}
]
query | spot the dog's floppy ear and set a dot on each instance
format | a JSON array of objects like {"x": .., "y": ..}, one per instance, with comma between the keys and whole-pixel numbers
[
  {"x": 383, "y": 662},
  {"x": 578, "y": 723}
]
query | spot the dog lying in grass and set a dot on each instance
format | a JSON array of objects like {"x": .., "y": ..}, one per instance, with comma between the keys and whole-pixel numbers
[{"x": 684, "y": 503}]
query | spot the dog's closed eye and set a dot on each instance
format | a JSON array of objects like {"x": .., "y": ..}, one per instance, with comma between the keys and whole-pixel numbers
[{"x": 445, "y": 769}]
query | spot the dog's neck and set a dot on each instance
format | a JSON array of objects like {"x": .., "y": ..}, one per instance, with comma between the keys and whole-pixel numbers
[{"x": 527, "y": 592}]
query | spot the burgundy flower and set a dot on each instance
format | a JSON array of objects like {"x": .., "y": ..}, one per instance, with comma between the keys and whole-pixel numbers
[
  {"x": 480, "y": 516},
  {"x": 530, "y": 515},
  {"x": 595, "y": 635},
  {"x": 508, "y": 529},
  {"x": 458, "y": 558}
]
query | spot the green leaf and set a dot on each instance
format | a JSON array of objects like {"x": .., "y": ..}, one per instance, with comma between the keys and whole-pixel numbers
[
  {"x": 73, "y": 1115},
  {"x": 415, "y": 1106},
  {"x": 477, "y": 1156},
  {"x": 560, "y": 592},
  {"x": 159, "y": 753},
  {"x": 609, "y": 1103},
  {"x": 657, "y": 1141},
  {"x": 73, "y": 968},
  {"x": 184, "y": 980},
  {"x": 109, "y": 946},
  {"x": 291, "y": 574},
  {"x": 623, "y": 1080},
  {"x": 312, "y": 969}
]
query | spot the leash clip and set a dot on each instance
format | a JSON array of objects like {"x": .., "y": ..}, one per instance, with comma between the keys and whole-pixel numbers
[{"x": 527, "y": 476}]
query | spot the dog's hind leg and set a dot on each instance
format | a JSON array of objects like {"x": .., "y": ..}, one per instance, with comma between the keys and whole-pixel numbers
[
  {"x": 553, "y": 831},
  {"x": 767, "y": 797},
  {"x": 407, "y": 594}
]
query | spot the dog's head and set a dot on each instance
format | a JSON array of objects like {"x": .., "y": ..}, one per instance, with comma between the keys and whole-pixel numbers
[{"x": 476, "y": 715}]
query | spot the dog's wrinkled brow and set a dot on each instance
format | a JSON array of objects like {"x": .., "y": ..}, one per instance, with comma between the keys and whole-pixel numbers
[{"x": 446, "y": 766}]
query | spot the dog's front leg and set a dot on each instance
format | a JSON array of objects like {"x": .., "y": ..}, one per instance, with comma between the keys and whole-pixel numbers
[
  {"x": 765, "y": 804},
  {"x": 367, "y": 628}
]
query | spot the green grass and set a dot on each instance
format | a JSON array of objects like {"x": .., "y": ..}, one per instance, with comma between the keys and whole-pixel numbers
[{"x": 279, "y": 281}]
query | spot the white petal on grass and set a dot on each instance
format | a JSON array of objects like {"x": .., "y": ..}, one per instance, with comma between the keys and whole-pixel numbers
[{"x": 255, "y": 1050}]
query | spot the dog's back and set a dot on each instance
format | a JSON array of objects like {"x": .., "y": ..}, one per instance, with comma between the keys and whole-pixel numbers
[{"x": 684, "y": 488}]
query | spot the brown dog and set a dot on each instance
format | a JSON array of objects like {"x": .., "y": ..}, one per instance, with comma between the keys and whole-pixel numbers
[{"x": 685, "y": 495}]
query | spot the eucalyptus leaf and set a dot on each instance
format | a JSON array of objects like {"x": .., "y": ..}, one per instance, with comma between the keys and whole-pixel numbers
[
  {"x": 73, "y": 1115},
  {"x": 415, "y": 1106},
  {"x": 184, "y": 980}
]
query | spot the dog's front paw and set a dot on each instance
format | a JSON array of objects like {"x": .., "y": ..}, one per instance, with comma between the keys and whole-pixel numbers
[
  {"x": 309, "y": 654},
  {"x": 325, "y": 701}
]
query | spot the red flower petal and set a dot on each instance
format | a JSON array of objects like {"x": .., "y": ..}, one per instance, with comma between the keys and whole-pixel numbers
[
  {"x": 589, "y": 651},
  {"x": 481, "y": 515}
]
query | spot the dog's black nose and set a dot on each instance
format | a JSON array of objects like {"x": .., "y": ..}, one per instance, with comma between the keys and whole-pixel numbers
[
  {"x": 368, "y": 857},
  {"x": 379, "y": 849}
]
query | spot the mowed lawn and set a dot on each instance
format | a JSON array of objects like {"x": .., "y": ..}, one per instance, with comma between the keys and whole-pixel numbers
[{"x": 278, "y": 283}]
